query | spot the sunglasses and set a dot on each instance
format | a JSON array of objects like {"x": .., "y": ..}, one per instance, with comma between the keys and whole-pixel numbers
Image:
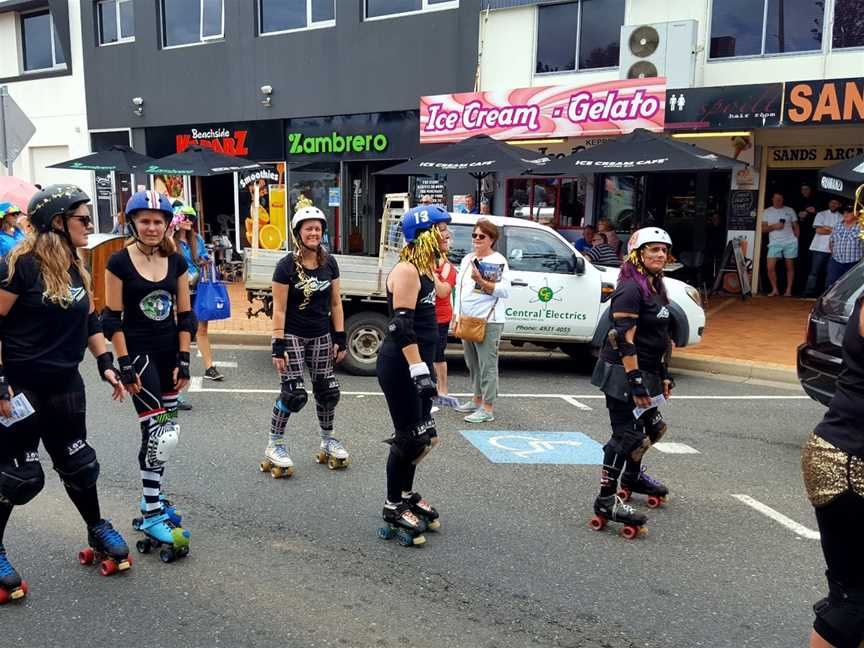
[
  {"x": 86, "y": 221},
  {"x": 479, "y": 237}
]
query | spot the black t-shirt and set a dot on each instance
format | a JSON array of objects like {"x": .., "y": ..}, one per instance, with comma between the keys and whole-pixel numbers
[
  {"x": 652, "y": 329},
  {"x": 843, "y": 425},
  {"x": 425, "y": 323},
  {"x": 313, "y": 319},
  {"x": 149, "y": 322},
  {"x": 43, "y": 343}
]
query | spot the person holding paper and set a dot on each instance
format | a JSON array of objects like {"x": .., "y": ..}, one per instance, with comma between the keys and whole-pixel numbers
[
  {"x": 630, "y": 371},
  {"x": 48, "y": 321}
]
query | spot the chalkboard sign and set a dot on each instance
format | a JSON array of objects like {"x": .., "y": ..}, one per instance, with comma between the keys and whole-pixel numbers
[
  {"x": 742, "y": 210},
  {"x": 435, "y": 189}
]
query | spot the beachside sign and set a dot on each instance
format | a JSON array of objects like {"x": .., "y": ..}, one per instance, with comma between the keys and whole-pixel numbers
[{"x": 610, "y": 108}]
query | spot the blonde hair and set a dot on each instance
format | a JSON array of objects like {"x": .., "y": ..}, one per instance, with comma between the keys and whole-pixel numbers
[{"x": 53, "y": 253}]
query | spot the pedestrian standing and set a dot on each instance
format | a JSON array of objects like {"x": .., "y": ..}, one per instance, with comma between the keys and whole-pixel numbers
[
  {"x": 484, "y": 281},
  {"x": 445, "y": 280},
  {"x": 781, "y": 224},
  {"x": 846, "y": 245},
  {"x": 823, "y": 224},
  {"x": 404, "y": 370},
  {"x": 833, "y": 467},
  {"x": 630, "y": 371},
  {"x": 10, "y": 233},
  {"x": 307, "y": 306},
  {"x": 48, "y": 321},
  {"x": 148, "y": 317}
]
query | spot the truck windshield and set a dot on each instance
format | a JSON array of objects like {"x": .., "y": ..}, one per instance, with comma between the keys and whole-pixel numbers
[{"x": 460, "y": 242}]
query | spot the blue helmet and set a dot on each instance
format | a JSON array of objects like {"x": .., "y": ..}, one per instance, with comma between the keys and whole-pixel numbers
[
  {"x": 421, "y": 218},
  {"x": 150, "y": 200}
]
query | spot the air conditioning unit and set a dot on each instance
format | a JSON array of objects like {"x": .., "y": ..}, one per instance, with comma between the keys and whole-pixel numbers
[{"x": 660, "y": 50}]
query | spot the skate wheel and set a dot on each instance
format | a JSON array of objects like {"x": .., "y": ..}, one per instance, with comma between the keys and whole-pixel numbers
[
  {"x": 125, "y": 564},
  {"x": 418, "y": 541},
  {"x": 597, "y": 523},
  {"x": 332, "y": 464},
  {"x": 143, "y": 546},
  {"x": 107, "y": 567},
  {"x": 182, "y": 552},
  {"x": 85, "y": 556},
  {"x": 628, "y": 531},
  {"x": 404, "y": 539},
  {"x": 655, "y": 502},
  {"x": 166, "y": 555},
  {"x": 4, "y": 596},
  {"x": 385, "y": 533},
  {"x": 265, "y": 466},
  {"x": 625, "y": 494},
  {"x": 136, "y": 523},
  {"x": 434, "y": 525},
  {"x": 320, "y": 458}
]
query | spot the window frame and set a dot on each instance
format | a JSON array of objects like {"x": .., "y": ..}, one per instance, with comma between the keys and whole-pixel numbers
[
  {"x": 578, "y": 44},
  {"x": 319, "y": 24},
  {"x": 120, "y": 39},
  {"x": 54, "y": 64},
  {"x": 822, "y": 50},
  {"x": 202, "y": 40},
  {"x": 425, "y": 7},
  {"x": 831, "y": 48}
]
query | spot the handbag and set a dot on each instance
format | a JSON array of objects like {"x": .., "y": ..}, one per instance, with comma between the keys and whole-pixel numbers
[
  {"x": 469, "y": 328},
  {"x": 211, "y": 299}
]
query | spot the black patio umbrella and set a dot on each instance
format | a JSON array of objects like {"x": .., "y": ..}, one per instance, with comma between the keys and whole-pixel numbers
[
  {"x": 844, "y": 178},
  {"x": 199, "y": 161},
  {"x": 639, "y": 152},
  {"x": 118, "y": 158}
]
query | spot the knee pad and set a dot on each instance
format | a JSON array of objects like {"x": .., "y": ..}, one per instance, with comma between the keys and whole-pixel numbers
[
  {"x": 655, "y": 426},
  {"x": 413, "y": 444},
  {"x": 21, "y": 481},
  {"x": 326, "y": 392},
  {"x": 293, "y": 395},
  {"x": 79, "y": 468},
  {"x": 160, "y": 444},
  {"x": 843, "y": 612}
]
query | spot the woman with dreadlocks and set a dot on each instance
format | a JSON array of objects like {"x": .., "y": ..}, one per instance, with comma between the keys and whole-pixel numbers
[
  {"x": 630, "y": 371},
  {"x": 404, "y": 371},
  {"x": 306, "y": 307}
]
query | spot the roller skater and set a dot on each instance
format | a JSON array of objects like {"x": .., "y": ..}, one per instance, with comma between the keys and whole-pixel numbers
[
  {"x": 631, "y": 369},
  {"x": 404, "y": 372},
  {"x": 308, "y": 329},
  {"x": 149, "y": 319},
  {"x": 107, "y": 547},
  {"x": 48, "y": 322}
]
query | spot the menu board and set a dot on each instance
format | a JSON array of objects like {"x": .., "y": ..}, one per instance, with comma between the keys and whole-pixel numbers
[
  {"x": 742, "y": 210},
  {"x": 435, "y": 189}
]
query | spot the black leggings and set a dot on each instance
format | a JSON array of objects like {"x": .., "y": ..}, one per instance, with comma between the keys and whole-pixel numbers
[
  {"x": 59, "y": 421},
  {"x": 628, "y": 435}
]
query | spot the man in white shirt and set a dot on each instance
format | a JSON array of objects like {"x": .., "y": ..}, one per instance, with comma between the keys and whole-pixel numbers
[
  {"x": 781, "y": 224},
  {"x": 823, "y": 224}
]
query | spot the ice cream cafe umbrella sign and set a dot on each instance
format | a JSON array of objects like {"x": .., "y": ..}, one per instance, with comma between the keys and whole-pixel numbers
[{"x": 610, "y": 108}]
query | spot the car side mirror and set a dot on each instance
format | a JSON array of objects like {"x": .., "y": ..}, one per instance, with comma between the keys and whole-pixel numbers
[{"x": 580, "y": 266}]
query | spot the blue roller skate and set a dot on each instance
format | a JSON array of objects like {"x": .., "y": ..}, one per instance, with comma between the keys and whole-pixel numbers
[
  {"x": 402, "y": 524},
  {"x": 160, "y": 533},
  {"x": 107, "y": 547},
  {"x": 167, "y": 507},
  {"x": 12, "y": 588}
]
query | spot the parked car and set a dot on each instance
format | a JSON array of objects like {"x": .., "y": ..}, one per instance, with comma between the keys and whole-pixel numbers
[{"x": 820, "y": 358}]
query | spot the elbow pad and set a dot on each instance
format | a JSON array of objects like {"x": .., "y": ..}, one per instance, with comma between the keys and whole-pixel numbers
[
  {"x": 94, "y": 324},
  {"x": 618, "y": 335},
  {"x": 112, "y": 322},
  {"x": 186, "y": 322},
  {"x": 401, "y": 327}
]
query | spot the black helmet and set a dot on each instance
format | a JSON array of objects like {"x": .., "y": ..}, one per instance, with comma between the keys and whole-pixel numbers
[{"x": 53, "y": 200}]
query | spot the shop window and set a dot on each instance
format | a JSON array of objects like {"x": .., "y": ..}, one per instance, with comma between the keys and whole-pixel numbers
[
  {"x": 533, "y": 250},
  {"x": 279, "y": 16},
  {"x": 571, "y": 203},
  {"x": 583, "y": 35},
  {"x": 39, "y": 42},
  {"x": 848, "y": 24},
  {"x": 390, "y": 8},
  {"x": 188, "y": 22},
  {"x": 748, "y": 28},
  {"x": 315, "y": 184},
  {"x": 116, "y": 21}
]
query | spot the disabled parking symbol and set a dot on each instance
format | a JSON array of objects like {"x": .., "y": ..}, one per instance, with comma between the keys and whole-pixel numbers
[{"x": 517, "y": 446}]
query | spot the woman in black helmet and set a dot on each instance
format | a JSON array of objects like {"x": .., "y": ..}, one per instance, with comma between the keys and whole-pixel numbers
[{"x": 48, "y": 321}]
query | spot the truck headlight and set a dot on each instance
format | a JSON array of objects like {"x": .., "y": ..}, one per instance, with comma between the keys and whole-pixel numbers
[{"x": 693, "y": 294}]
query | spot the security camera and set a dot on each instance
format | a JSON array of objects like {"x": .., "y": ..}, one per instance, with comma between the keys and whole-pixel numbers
[
  {"x": 138, "y": 101},
  {"x": 267, "y": 89}
]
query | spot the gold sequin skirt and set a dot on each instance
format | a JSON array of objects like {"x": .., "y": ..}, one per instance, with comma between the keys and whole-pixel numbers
[{"x": 829, "y": 472}]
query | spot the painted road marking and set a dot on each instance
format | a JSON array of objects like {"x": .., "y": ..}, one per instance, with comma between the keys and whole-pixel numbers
[
  {"x": 675, "y": 448},
  {"x": 507, "y": 446},
  {"x": 575, "y": 403},
  {"x": 789, "y": 523},
  {"x": 225, "y": 363}
]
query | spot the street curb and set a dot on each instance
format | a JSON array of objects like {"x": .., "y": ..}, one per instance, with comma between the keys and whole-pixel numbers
[
  {"x": 254, "y": 338},
  {"x": 738, "y": 368}
]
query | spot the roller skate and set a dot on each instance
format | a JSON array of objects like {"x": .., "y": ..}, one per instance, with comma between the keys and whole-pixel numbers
[
  {"x": 276, "y": 460},
  {"x": 167, "y": 507},
  {"x": 424, "y": 510},
  {"x": 403, "y": 525},
  {"x": 644, "y": 484},
  {"x": 160, "y": 533},
  {"x": 12, "y": 588},
  {"x": 333, "y": 453},
  {"x": 107, "y": 547},
  {"x": 612, "y": 509}
]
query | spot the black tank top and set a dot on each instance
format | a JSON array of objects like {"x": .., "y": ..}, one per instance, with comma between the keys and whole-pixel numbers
[
  {"x": 843, "y": 425},
  {"x": 425, "y": 324}
]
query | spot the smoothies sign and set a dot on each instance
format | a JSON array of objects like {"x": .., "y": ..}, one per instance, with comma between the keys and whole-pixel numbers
[{"x": 611, "y": 108}]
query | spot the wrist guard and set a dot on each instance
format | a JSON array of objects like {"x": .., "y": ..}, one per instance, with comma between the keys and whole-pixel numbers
[
  {"x": 665, "y": 375},
  {"x": 340, "y": 340},
  {"x": 637, "y": 385},
  {"x": 280, "y": 347},
  {"x": 183, "y": 362},
  {"x": 4, "y": 386},
  {"x": 127, "y": 370},
  {"x": 105, "y": 362}
]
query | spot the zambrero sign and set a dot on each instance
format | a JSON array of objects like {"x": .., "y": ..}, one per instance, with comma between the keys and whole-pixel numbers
[{"x": 611, "y": 108}]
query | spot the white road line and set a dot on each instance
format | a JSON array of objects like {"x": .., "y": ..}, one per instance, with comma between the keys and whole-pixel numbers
[
  {"x": 575, "y": 403},
  {"x": 225, "y": 363},
  {"x": 675, "y": 448},
  {"x": 790, "y": 524}
]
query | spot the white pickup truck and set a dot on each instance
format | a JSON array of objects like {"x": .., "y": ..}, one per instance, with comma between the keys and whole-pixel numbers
[{"x": 558, "y": 299}]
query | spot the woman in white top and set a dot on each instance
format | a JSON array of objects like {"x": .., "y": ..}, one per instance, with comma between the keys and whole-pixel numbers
[{"x": 482, "y": 287}]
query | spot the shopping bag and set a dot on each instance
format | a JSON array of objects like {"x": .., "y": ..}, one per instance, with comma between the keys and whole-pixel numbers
[{"x": 211, "y": 299}]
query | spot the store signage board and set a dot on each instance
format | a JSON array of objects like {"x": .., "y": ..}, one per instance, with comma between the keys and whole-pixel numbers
[
  {"x": 609, "y": 108},
  {"x": 724, "y": 107},
  {"x": 260, "y": 140},
  {"x": 811, "y": 157},
  {"x": 824, "y": 102}
]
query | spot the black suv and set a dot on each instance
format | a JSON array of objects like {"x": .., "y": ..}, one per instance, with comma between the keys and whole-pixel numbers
[{"x": 820, "y": 357}]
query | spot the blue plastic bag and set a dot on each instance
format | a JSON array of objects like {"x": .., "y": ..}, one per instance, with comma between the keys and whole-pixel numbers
[{"x": 211, "y": 299}]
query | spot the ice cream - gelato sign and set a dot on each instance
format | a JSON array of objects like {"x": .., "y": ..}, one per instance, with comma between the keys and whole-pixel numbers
[{"x": 611, "y": 108}]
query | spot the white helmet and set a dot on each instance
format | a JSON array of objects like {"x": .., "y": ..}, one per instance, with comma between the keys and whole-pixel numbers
[
  {"x": 308, "y": 213},
  {"x": 648, "y": 235}
]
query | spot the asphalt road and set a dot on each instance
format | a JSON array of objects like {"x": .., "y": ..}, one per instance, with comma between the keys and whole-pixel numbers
[{"x": 297, "y": 562}]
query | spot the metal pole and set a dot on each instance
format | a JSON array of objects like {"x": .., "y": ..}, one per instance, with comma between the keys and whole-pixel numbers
[{"x": 4, "y": 92}]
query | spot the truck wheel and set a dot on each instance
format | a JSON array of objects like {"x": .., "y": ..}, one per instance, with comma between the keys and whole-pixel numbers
[{"x": 365, "y": 333}]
